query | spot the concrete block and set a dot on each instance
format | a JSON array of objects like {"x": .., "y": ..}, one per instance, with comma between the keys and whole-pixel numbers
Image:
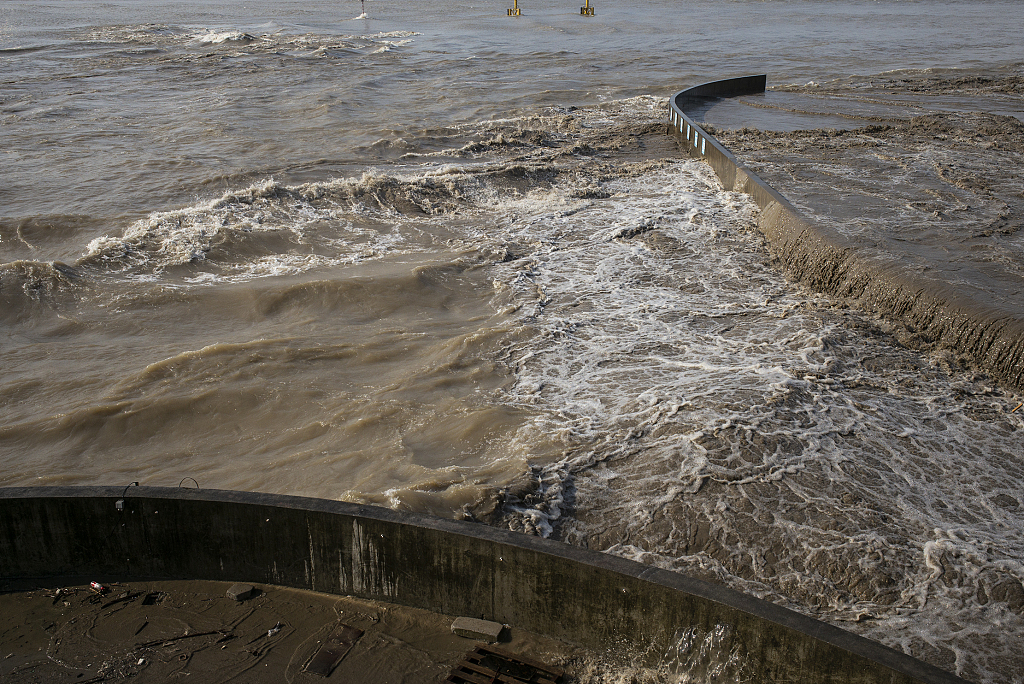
[
  {"x": 241, "y": 592},
  {"x": 477, "y": 629}
]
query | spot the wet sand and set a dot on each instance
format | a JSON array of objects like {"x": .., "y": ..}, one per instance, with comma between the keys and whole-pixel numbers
[{"x": 161, "y": 631}]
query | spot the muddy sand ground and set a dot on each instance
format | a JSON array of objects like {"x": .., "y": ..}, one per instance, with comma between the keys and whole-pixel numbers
[{"x": 193, "y": 631}]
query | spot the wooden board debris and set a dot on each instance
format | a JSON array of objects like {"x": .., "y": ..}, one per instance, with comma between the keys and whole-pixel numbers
[
  {"x": 489, "y": 665},
  {"x": 334, "y": 648}
]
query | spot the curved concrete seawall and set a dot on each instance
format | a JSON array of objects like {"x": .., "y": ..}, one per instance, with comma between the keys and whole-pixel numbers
[
  {"x": 825, "y": 260},
  {"x": 603, "y": 602}
]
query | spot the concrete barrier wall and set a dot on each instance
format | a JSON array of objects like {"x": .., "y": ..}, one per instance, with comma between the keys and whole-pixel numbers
[
  {"x": 603, "y": 602},
  {"x": 827, "y": 261}
]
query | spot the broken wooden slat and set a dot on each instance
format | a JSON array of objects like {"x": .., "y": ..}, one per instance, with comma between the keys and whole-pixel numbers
[
  {"x": 489, "y": 676},
  {"x": 487, "y": 665},
  {"x": 554, "y": 672},
  {"x": 461, "y": 676}
]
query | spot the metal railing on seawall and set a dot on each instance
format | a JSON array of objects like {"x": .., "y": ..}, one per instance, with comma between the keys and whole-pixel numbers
[
  {"x": 609, "y": 604},
  {"x": 828, "y": 262}
]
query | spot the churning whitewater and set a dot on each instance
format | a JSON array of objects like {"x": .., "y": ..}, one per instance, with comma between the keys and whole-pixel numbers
[{"x": 453, "y": 263}]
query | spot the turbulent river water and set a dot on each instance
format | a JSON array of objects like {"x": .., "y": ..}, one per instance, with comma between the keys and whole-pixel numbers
[{"x": 441, "y": 259}]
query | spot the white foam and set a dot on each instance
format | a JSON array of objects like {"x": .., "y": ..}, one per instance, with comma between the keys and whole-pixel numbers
[
  {"x": 332, "y": 223},
  {"x": 217, "y": 37},
  {"x": 665, "y": 348}
]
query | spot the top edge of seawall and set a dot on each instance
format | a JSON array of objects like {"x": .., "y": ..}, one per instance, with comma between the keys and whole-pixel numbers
[{"x": 727, "y": 87}]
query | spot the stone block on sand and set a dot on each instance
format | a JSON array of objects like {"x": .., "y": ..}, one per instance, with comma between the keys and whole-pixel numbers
[
  {"x": 472, "y": 628},
  {"x": 241, "y": 592}
]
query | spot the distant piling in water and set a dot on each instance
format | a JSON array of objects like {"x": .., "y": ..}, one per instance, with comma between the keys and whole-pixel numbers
[
  {"x": 514, "y": 11},
  {"x": 828, "y": 262}
]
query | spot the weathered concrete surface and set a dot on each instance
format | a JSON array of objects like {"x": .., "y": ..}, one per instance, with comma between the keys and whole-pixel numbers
[
  {"x": 475, "y": 628},
  {"x": 592, "y": 599},
  {"x": 826, "y": 261}
]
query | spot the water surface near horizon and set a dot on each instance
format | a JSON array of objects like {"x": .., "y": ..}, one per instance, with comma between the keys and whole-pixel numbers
[
  {"x": 448, "y": 261},
  {"x": 202, "y": 96}
]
